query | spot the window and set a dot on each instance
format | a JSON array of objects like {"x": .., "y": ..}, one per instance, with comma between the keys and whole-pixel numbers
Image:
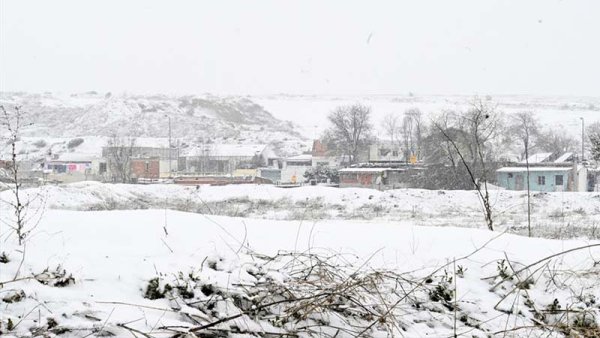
[
  {"x": 541, "y": 180},
  {"x": 558, "y": 180}
]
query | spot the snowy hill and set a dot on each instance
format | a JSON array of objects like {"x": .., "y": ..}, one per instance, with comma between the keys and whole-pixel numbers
[{"x": 193, "y": 118}]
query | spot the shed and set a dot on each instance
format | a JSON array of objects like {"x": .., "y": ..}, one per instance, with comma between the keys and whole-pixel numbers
[{"x": 368, "y": 177}]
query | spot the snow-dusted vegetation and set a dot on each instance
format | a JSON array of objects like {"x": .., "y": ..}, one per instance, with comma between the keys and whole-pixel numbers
[{"x": 556, "y": 215}]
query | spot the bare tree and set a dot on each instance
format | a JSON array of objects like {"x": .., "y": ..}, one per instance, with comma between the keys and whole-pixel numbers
[
  {"x": 350, "y": 129},
  {"x": 118, "y": 152},
  {"x": 525, "y": 127},
  {"x": 557, "y": 141},
  {"x": 391, "y": 127},
  {"x": 416, "y": 130},
  {"x": 13, "y": 122},
  {"x": 469, "y": 139},
  {"x": 407, "y": 136},
  {"x": 593, "y": 133}
]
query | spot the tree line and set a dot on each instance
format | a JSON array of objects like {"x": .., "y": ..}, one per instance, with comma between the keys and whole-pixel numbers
[{"x": 481, "y": 132}]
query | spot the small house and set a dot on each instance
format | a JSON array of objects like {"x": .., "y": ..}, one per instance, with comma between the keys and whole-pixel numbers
[
  {"x": 374, "y": 178},
  {"x": 547, "y": 173},
  {"x": 225, "y": 159},
  {"x": 386, "y": 152},
  {"x": 73, "y": 167},
  {"x": 146, "y": 168},
  {"x": 294, "y": 167},
  {"x": 544, "y": 178}
]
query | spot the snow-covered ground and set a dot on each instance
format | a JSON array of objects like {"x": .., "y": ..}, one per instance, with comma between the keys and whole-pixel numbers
[
  {"x": 554, "y": 215},
  {"x": 87, "y": 273}
]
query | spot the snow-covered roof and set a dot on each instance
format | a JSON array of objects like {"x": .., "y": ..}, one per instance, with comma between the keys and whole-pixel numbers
[
  {"x": 75, "y": 157},
  {"x": 524, "y": 169},
  {"x": 367, "y": 170},
  {"x": 227, "y": 150},
  {"x": 538, "y": 158},
  {"x": 563, "y": 158},
  {"x": 303, "y": 157}
]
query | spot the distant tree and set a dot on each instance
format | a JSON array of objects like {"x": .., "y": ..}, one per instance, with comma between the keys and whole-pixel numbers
[
  {"x": 593, "y": 132},
  {"x": 118, "y": 152},
  {"x": 407, "y": 136},
  {"x": 391, "y": 127},
  {"x": 412, "y": 130},
  {"x": 556, "y": 141},
  {"x": 469, "y": 137},
  {"x": 350, "y": 130},
  {"x": 437, "y": 147},
  {"x": 525, "y": 127}
]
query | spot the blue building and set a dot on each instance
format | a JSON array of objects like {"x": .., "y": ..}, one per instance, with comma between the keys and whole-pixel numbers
[{"x": 546, "y": 178}]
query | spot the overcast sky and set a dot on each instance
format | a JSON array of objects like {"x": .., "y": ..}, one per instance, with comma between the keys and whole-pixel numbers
[{"x": 543, "y": 47}]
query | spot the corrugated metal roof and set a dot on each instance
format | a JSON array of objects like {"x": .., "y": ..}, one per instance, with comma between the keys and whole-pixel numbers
[
  {"x": 537, "y": 169},
  {"x": 377, "y": 170},
  {"x": 538, "y": 158},
  {"x": 227, "y": 150},
  {"x": 563, "y": 158}
]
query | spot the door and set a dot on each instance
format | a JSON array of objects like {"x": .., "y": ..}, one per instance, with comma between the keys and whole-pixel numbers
[{"x": 519, "y": 182}]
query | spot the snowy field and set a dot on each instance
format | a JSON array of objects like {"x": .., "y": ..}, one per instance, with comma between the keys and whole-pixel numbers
[
  {"x": 94, "y": 268},
  {"x": 554, "y": 215}
]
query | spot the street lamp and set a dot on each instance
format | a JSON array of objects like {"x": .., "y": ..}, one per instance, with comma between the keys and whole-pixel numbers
[
  {"x": 582, "y": 138},
  {"x": 170, "y": 146}
]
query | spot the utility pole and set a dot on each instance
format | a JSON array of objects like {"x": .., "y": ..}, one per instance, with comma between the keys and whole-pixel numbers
[
  {"x": 170, "y": 147},
  {"x": 582, "y": 138}
]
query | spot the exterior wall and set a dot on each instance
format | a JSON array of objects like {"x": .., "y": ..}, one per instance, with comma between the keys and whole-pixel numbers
[
  {"x": 582, "y": 180},
  {"x": 245, "y": 172},
  {"x": 324, "y": 160},
  {"x": 68, "y": 167},
  {"x": 146, "y": 152},
  {"x": 385, "y": 153},
  {"x": 145, "y": 168},
  {"x": 358, "y": 179},
  {"x": 513, "y": 183},
  {"x": 99, "y": 167},
  {"x": 215, "y": 165},
  {"x": 274, "y": 175},
  {"x": 73, "y": 177},
  {"x": 289, "y": 172},
  {"x": 166, "y": 170}
]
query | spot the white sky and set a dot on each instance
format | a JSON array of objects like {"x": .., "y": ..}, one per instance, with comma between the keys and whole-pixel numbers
[{"x": 543, "y": 47}]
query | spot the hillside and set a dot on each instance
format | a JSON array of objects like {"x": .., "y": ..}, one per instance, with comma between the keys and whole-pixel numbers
[{"x": 194, "y": 119}]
